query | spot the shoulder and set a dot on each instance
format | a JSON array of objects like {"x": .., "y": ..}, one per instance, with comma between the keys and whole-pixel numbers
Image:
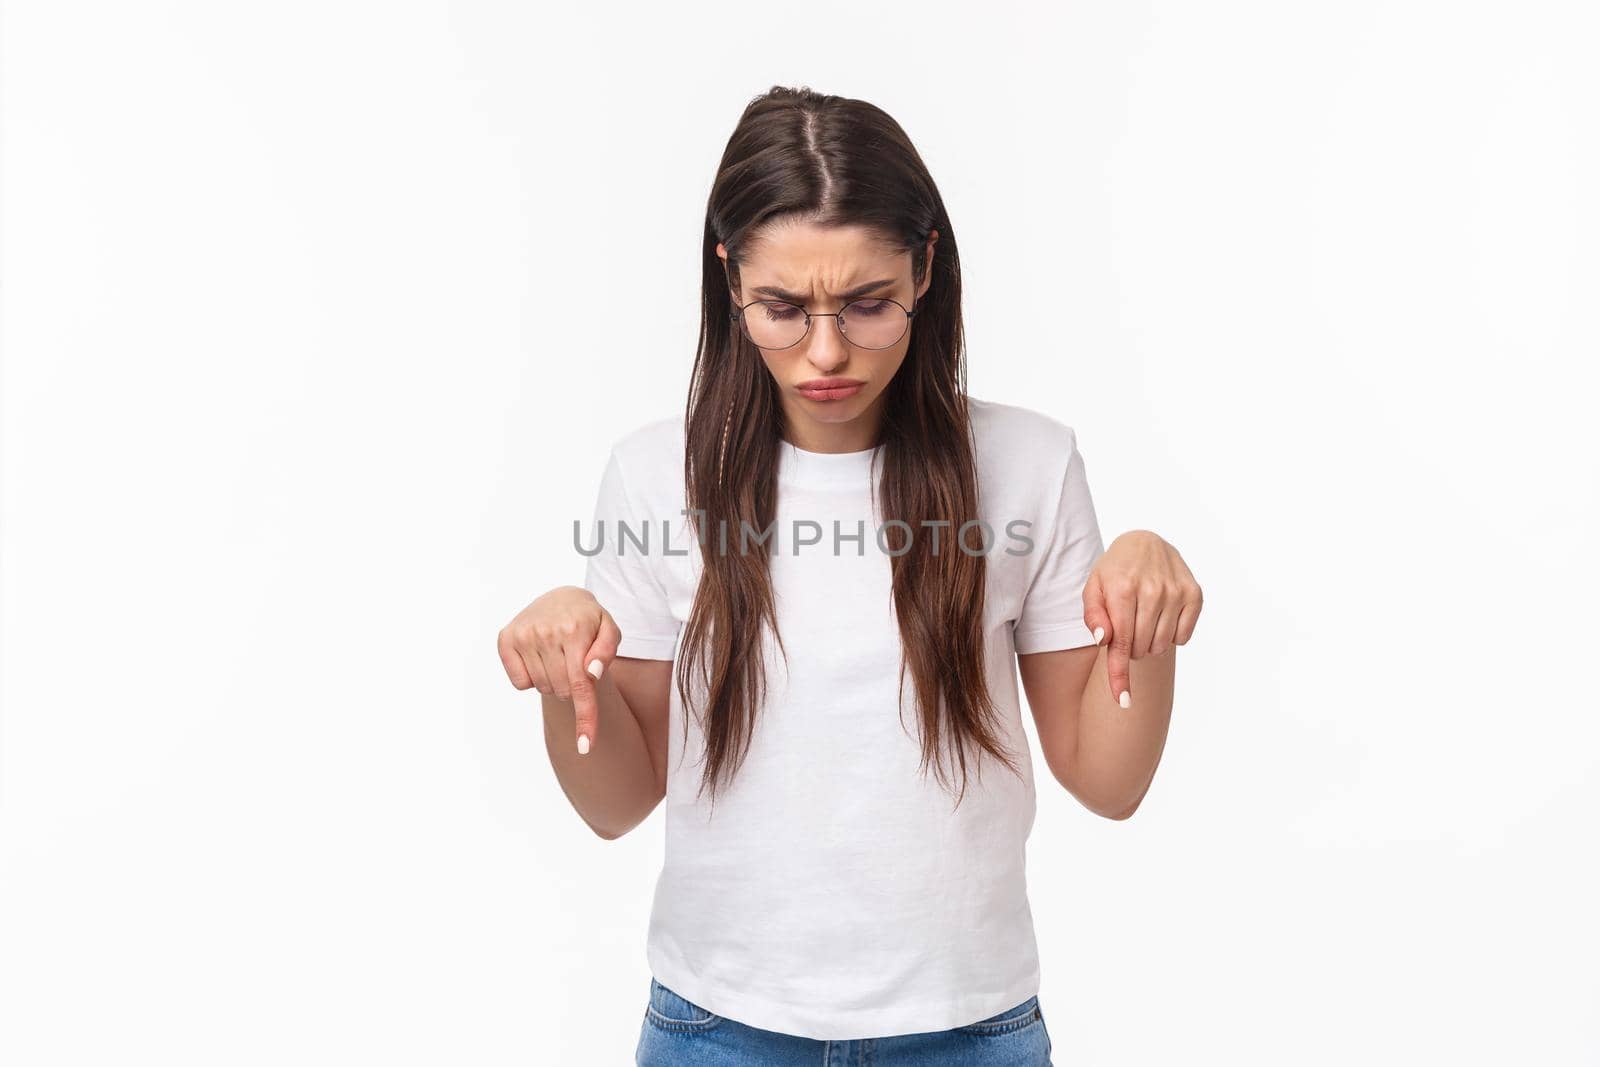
[
  {"x": 1019, "y": 436},
  {"x": 652, "y": 446},
  {"x": 648, "y": 460}
]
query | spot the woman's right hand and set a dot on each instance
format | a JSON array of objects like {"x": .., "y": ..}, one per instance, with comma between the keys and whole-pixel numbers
[{"x": 561, "y": 644}]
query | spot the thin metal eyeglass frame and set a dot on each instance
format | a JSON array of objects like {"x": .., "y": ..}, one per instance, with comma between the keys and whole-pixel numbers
[{"x": 738, "y": 317}]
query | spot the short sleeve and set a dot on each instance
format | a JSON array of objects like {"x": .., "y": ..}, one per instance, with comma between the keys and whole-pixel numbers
[
  {"x": 1051, "y": 617},
  {"x": 622, "y": 575}
]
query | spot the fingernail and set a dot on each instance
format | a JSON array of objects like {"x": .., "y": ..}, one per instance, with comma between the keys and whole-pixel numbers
[
  {"x": 1099, "y": 634},
  {"x": 583, "y": 743},
  {"x": 1125, "y": 700},
  {"x": 595, "y": 667}
]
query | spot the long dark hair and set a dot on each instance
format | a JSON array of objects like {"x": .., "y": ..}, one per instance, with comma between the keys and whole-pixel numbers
[{"x": 802, "y": 155}]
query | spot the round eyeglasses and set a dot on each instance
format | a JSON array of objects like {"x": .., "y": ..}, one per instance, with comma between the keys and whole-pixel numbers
[{"x": 874, "y": 322}]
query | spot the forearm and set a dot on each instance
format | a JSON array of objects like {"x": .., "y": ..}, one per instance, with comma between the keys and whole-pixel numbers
[
  {"x": 613, "y": 787},
  {"x": 1117, "y": 749}
]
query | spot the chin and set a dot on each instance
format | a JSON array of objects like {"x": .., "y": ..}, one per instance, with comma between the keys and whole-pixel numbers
[{"x": 834, "y": 410}]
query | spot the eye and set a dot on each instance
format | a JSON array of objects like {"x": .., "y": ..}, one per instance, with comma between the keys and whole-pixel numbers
[
  {"x": 867, "y": 309},
  {"x": 777, "y": 311}
]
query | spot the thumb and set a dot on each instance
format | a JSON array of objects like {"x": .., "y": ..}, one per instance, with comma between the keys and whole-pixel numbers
[
  {"x": 1095, "y": 615},
  {"x": 604, "y": 648}
]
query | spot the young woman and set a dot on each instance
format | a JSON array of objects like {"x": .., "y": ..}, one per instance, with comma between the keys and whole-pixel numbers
[{"x": 806, "y": 603}]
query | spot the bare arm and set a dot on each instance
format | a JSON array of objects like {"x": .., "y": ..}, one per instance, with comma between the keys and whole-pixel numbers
[
  {"x": 1103, "y": 754},
  {"x": 1142, "y": 596},
  {"x": 606, "y": 735},
  {"x": 620, "y": 781}
]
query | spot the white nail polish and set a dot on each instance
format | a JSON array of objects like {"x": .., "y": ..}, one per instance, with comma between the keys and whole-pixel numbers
[
  {"x": 595, "y": 667},
  {"x": 1125, "y": 700},
  {"x": 583, "y": 744},
  {"x": 1099, "y": 634}
]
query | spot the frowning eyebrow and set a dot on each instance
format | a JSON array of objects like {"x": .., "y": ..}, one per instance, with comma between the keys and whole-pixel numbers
[{"x": 800, "y": 298}]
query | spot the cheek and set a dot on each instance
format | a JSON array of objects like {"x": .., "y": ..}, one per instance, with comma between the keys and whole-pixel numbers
[{"x": 891, "y": 359}]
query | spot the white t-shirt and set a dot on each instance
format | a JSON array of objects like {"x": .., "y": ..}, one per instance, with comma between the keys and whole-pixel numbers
[{"x": 832, "y": 893}]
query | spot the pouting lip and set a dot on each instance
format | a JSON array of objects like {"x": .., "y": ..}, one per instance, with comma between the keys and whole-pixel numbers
[{"x": 829, "y": 383}]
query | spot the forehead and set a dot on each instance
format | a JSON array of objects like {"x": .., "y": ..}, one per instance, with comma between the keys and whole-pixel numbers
[{"x": 803, "y": 255}]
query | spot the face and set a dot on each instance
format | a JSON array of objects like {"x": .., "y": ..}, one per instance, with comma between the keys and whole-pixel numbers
[{"x": 819, "y": 268}]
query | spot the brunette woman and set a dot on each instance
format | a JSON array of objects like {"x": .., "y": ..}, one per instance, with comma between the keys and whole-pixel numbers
[{"x": 808, "y": 598}]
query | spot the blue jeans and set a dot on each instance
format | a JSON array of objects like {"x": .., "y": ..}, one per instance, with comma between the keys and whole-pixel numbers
[{"x": 678, "y": 1033}]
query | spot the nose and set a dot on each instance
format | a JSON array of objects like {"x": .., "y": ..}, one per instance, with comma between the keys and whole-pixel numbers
[{"x": 826, "y": 348}]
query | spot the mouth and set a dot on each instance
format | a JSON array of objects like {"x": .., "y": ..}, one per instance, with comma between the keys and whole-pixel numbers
[{"x": 829, "y": 388}]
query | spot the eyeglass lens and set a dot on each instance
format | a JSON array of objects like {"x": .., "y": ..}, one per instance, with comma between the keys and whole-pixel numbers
[{"x": 872, "y": 323}]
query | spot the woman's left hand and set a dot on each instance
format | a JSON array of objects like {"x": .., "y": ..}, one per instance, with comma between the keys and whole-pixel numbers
[{"x": 1143, "y": 596}]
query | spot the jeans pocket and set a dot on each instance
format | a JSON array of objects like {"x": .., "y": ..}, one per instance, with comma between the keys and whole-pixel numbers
[
  {"x": 669, "y": 1011},
  {"x": 1009, "y": 1021}
]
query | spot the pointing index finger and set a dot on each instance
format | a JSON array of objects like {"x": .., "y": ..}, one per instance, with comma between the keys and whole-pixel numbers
[
  {"x": 585, "y": 706},
  {"x": 1123, "y": 610}
]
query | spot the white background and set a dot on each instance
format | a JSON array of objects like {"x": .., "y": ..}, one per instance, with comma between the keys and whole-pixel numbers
[{"x": 319, "y": 319}]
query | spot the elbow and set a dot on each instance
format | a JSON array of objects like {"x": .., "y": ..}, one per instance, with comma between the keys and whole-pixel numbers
[
  {"x": 1125, "y": 812},
  {"x": 1114, "y": 812},
  {"x": 1108, "y": 811},
  {"x": 606, "y": 833},
  {"x": 611, "y": 833},
  {"x": 1104, "y": 807}
]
